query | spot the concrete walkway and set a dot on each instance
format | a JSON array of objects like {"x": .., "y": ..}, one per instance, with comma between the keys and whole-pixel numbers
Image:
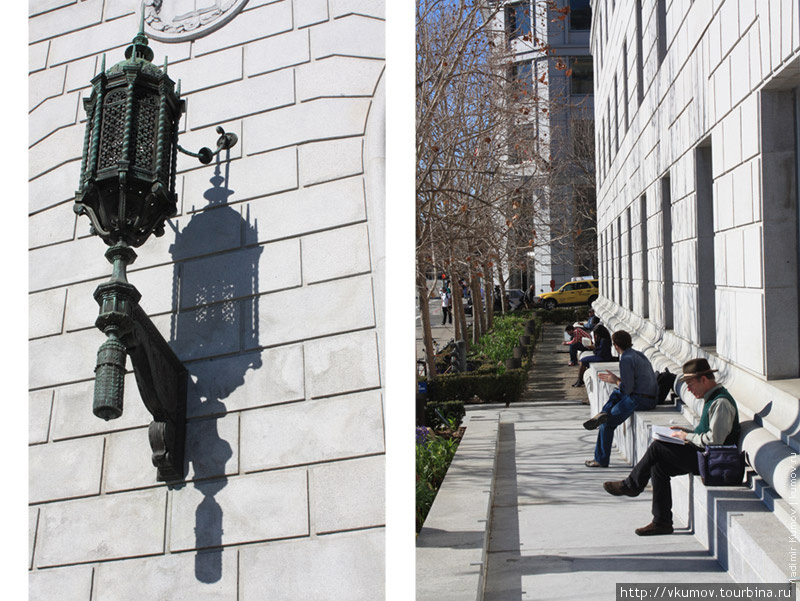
[{"x": 555, "y": 533}]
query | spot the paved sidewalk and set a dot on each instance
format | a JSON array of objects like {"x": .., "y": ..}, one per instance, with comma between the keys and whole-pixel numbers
[{"x": 555, "y": 533}]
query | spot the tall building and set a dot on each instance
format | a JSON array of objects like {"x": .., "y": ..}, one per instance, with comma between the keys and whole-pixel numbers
[
  {"x": 268, "y": 284},
  {"x": 551, "y": 151},
  {"x": 697, "y": 202}
]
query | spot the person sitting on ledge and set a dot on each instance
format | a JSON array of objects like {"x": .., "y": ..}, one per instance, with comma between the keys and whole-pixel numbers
[
  {"x": 719, "y": 424},
  {"x": 636, "y": 390},
  {"x": 602, "y": 352},
  {"x": 575, "y": 342}
]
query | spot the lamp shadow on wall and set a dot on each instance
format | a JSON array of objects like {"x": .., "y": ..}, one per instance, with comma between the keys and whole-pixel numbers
[{"x": 211, "y": 293}]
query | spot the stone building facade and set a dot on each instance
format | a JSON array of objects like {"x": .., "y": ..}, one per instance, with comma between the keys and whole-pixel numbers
[
  {"x": 698, "y": 202},
  {"x": 560, "y": 76},
  {"x": 269, "y": 286}
]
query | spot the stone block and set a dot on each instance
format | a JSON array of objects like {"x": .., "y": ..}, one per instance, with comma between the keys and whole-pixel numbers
[
  {"x": 251, "y": 177},
  {"x": 341, "y": 566},
  {"x": 128, "y": 461},
  {"x": 336, "y": 253},
  {"x": 46, "y": 312},
  {"x": 241, "y": 273},
  {"x": 753, "y": 277},
  {"x": 245, "y": 381},
  {"x": 722, "y": 89},
  {"x": 306, "y": 122},
  {"x": 723, "y": 201},
  {"x": 367, "y": 8},
  {"x": 731, "y": 140},
  {"x": 740, "y": 61},
  {"x": 111, "y": 37},
  {"x": 208, "y": 576},
  {"x": 308, "y": 210},
  {"x": 750, "y": 127},
  {"x": 338, "y": 76},
  {"x": 329, "y": 160},
  {"x": 101, "y": 528},
  {"x": 37, "y": 56},
  {"x": 247, "y": 509},
  {"x": 212, "y": 447},
  {"x": 65, "y": 584},
  {"x": 119, "y": 8},
  {"x": 40, "y": 405},
  {"x": 310, "y": 12},
  {"x": 278, "y": 52},
  {"x": 212, "y": 329},
  {"x": 241, "y": 98},
  {"x": 742, "y": 201},
  {"x": 749, "y": 307},
  {"x": 62, "y": 470},
  {"x": 734, "y": 258},
  {"x": 284, "y": 316},
  {"x": 257, "y": 23},
  {"x": 60, "y": 147},
  {"x": 72, "y": 410},
  {"x": 54, "y": 187},
  {"x": 312, "y": 431},
  {"x": 207, "y": 72},
  {"x": 52, "y": 226},
  {"x": 340, "y": 364},
  {"x": 51, "y": 115},
  {"x": 70, "y": 18},
  {"x": 347, "y": 494},
  {"x": 63, "y": 359},
  {"x": 45, "y": 84}
]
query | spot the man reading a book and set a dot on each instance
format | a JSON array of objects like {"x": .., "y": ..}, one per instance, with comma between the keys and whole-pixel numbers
[{"x": 719, "y": 424}]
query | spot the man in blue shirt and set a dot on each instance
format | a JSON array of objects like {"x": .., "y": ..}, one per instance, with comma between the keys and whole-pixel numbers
[{"x": 636, "y": 390}]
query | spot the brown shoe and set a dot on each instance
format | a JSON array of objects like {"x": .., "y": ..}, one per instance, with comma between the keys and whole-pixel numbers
[
  {"x": 653, "y": 529},
  {"x": 594, "y": 423},
  {"x": 619, "y": 489},
  {"x": 593, "y": 463}
]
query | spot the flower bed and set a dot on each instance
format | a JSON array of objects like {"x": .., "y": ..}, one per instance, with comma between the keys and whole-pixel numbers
[{"x": 434, "y": 452}]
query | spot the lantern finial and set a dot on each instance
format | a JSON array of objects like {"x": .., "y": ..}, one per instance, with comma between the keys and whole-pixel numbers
[{"x": 139, "y": 46}]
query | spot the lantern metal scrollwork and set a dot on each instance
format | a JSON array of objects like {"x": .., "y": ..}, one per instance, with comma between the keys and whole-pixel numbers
[{"x": 127, "y": 190}]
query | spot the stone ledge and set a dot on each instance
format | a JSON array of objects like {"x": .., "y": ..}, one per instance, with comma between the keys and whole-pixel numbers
[
  {"x": 452, "y": 546},
  {"x": 739, "y": 525}
]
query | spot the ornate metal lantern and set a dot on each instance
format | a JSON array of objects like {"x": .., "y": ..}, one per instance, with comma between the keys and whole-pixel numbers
[{"x": 127, "y": 189}]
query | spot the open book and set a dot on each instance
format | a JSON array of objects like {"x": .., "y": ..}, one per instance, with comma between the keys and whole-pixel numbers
[{"x": 664, "y": 433}]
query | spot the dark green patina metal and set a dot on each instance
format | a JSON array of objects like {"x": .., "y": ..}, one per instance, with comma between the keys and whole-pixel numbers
[{"x": 127, "y": 189}]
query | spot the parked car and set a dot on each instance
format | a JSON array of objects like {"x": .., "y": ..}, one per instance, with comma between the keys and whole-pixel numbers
[{"x": 580, "y": 292}]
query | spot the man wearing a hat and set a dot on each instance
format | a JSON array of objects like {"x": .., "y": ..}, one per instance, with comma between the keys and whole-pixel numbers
[{"x": 719, "y": 424}]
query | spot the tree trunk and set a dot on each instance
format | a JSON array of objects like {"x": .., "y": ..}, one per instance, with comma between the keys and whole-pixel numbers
[
  {"x": 477, "y": 309},
  {"x": 427, "y": 337},
  {"x": 489, "y": 291},
  {"x": 504, "y": 304}
]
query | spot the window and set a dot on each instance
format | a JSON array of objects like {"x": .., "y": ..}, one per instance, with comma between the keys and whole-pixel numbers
[
  {"x": 707, "y": 291},
  {"x": 522, "y": 76},
  {"x": 582, "y": 77},
  {"x": 518, "y": 20},
  {"x": 522, "y": 143},
  {"x": 580, "y": 15}
]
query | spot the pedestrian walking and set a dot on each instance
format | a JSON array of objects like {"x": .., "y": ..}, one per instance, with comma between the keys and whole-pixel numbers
[{"x": 447, "y": 311}]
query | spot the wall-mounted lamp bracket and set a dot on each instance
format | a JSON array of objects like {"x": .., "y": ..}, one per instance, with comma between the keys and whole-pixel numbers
[
  {"x": 205, "y": 154},
  {"x": 160, "y": 375}
]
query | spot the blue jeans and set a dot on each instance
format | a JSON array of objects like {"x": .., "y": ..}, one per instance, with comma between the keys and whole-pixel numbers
[
  {"x": 574, "y": 349},
  {"x": 619, "y": 408}
]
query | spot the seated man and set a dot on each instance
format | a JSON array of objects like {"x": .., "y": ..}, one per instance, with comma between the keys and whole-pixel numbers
[
  {"x": 591, "y": 322},
  {"x": 575, "y": 342},
  {"x": 719, "y": 424},
  {"x": 636, "y": 390}
]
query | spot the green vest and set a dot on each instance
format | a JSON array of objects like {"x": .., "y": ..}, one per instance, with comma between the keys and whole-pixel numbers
[{"x": 703, "y": 426}]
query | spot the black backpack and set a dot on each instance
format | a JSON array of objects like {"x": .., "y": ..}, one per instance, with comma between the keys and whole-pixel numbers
[{"x": 666, "y": 381}]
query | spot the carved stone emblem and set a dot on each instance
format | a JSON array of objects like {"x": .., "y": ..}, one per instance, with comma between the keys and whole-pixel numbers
[{"x": 182, "y": 20}]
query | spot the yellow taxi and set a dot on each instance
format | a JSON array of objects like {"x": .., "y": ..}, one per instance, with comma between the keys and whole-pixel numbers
[{"x": 577, "y": 292}]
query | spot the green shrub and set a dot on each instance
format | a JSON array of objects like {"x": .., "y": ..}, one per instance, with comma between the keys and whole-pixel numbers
[
  {"x": 452, "y": 412},
  {"x": 434, "y": 455},
  {"x": 489, "y": 387}
]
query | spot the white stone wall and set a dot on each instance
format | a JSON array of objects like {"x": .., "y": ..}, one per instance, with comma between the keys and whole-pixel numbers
[
  {"x": 269, "y": 286},
  {"x": 723, "y": 79}
]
